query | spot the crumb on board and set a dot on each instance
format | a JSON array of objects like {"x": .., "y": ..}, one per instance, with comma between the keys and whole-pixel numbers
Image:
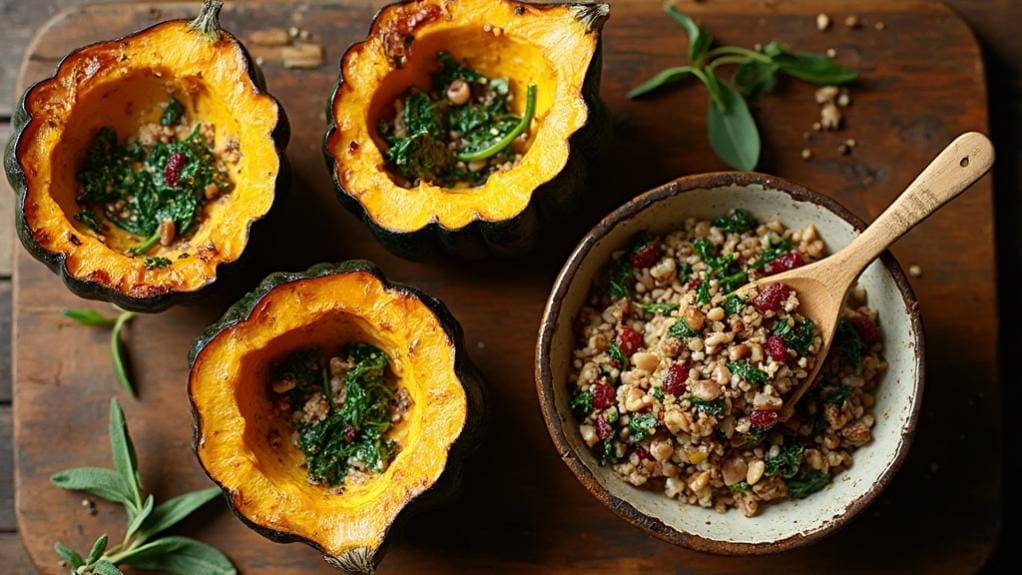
[
  {"x": 915, "y": 271},
  {"x": 270, "y": 37},
  {"x": 807, "y": 153},
  {"x": 879, "y": 25},
  {"x": 831, "y": 53},
  {"x": 853, "y": 21},
  {"x": 822, "y": 22},
  {"x": 303, "y": 55}
]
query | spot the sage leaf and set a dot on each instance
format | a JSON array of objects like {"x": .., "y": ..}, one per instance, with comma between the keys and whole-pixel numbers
[
  {"x": 68, "y": 554},
  {"x": 181, "y": 556},
  {"x": 138, "y": 518},
  {"x": 173, "y": 510},
  {"x": 124, "y": 454},
  {"x": 733, "y": 132},
  {"x": 699, "y": 39},
  {"x": 87, "y": 316},
  {"x": 97, "y": 549},
  {"x": 98, "y": 481},
  {"x": 754, "y": 79},
  {"x": 121, "y": 369},
  {"x": 104, "y": 567},
  {"x": 663, "y": 78},
  {"x": 814, "y": 68}
]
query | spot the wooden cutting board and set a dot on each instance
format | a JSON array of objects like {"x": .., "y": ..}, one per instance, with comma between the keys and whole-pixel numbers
[{"x": 522, "y": 511}]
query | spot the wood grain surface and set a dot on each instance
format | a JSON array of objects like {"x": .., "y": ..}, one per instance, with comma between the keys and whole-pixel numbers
[{"x": 522, "y": 511}]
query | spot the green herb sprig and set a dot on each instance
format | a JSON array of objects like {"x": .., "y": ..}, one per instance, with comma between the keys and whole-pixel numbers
[
  {"x": 732, "y": 129},
  {"x": 92, "y": 318},
  {"x": 140, "y": 547}
]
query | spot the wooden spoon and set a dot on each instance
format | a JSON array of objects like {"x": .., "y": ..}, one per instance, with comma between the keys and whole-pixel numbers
[{"x": 823, "y": 285}]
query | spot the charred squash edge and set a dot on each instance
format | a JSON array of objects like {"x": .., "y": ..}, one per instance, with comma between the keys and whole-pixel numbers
[
  {"x": 56, "y": 262},
  {"x": 552, "y": 199},
  {"x": 363, "y": 560}
]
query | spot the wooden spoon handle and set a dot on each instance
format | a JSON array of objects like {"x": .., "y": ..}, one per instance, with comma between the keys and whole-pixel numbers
[{"x": 963, "y": 162}]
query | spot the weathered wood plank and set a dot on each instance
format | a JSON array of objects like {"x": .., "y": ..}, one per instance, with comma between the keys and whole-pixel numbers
[
  {"x": 922, "y": 84},
  {"x": 15, "y": 560},
  {"x": 5, "y": 346},
  {"x": 7, "y": 522},
  {"x": 7, "y": 239}
]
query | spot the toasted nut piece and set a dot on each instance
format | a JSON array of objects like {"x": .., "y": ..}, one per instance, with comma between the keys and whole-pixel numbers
[
  {"x": 755, "y": 471},
  {"x": 699, "y": 481},
  {"x": 715, "y": 314},
  {"x": 661, "y": 449},
  {"x": 734, "y": 470},
  {"x": 588, "y": 434},
  {"x": 167, "y": 232},
  {"x": 459, "y": 92},
  {"x": 694, "y": 318},
  {"x": 705, "y": 389},
  {"x": 646, "y": 361}
]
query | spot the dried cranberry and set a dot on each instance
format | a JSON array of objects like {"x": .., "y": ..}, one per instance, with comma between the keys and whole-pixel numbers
[
  {"x": 349, "y": 433},
  {"x": 674, "y": 380},
  {"x": 776, "y": 348},
  {"x": 771, "y": 297},
  {"x": 604, "y": 396},
  {"x": 172, "y": 170},
  {"x": 867, "y": 330},
  {"x": 646, "y": 256},
  {"x": 643, "y": 453},
  {"x": 629, "y": 341},
  {"x": 762, "y": 418},
  {"x": 784, "y": 262},
  {"x": 603, "y": 429},
  {"x": 694, "y": 283}
]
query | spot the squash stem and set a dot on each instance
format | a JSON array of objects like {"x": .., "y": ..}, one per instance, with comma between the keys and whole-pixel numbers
[
  {"x": 530, "y": 111},
  {"x": 207, "y": 23},
  {"x": 146, "y": 245}
]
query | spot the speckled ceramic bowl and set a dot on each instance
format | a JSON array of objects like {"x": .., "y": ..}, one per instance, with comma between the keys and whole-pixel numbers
[{"x": 779, "y": 526}]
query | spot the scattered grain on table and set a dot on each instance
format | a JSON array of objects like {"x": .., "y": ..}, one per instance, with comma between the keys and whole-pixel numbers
[
  {"x": 303, "y": 55},
  {"x": 822, "y": 22}
]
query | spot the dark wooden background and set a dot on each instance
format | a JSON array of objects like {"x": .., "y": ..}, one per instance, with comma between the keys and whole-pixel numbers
[{"x": 995, "y": 23}]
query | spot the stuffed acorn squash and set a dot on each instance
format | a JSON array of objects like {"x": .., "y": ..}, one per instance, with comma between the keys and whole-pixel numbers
[
  {"x": 465, "y": 125},
  {"x": 326, "y": 402},
  {"x": 141, "y": 165}
]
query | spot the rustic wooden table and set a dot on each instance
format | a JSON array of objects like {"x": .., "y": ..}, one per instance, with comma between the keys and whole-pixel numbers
[{"x": 994, "y": 22}]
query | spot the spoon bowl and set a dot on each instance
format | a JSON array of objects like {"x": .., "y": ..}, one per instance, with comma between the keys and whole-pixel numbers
[{"x": 823, "y": 285}]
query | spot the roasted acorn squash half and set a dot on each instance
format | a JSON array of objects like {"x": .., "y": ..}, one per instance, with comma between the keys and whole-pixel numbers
[
  {"x": 126, "y": 84},
  {"x": 554, "y": 47},
  {"x": 238, "y": 426}
]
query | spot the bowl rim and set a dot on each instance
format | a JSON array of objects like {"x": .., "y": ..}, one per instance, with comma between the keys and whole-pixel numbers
[{"x": 544, "y": 376}]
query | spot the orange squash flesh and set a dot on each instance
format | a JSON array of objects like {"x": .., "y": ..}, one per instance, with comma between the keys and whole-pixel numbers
[
  {"x": 548, "y": 45},
  {"x": 229, "y": 389},
  {"x": 122, "y": 84}
]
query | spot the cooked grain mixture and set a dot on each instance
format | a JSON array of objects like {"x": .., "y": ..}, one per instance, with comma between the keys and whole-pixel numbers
[
  {"x": 341, "y": 410},
  {"x": 678, "y": 383}
]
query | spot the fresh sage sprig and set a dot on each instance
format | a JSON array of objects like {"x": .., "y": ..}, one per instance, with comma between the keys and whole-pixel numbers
[
  {"x": 732, "y": 129},
  {"x": 93, "y": 318},
  {"x": 140, "y": 547}
]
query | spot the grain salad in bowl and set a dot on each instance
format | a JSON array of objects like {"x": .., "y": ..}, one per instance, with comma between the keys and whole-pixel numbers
[
  {"x": 666, "y": 394},
  {"x": 678, "y": 382}
]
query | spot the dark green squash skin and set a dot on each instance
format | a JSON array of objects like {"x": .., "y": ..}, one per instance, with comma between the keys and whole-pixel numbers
[
  {"x": 466, "y": 372},
  {"x": 158, "y": 300},
  {"x": 552, "y": 204}
]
